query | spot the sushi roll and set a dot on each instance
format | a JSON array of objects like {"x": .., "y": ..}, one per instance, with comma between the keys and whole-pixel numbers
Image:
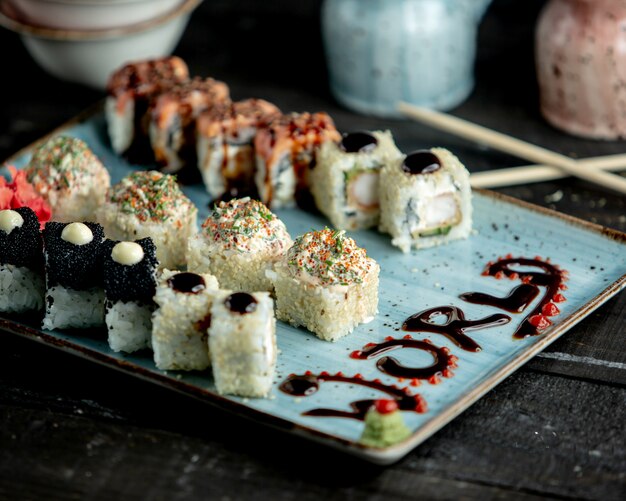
[
  {"x": 67, "y": 174},
  {"x": 425, "y": 199},
  {"x": 345, "y": 179},
  {"x": 22, "y": 285},
  {"x": 151, "y": 204},
  {"x": 285, "y": 151},
  {"x": 327, "y": 284},
  {"x": 129, "y": 271},
  {"x": 226, "y": 146},
  {"x": 74, "y": 292},
  {"x": 242, "y": 343},
  {"x": 130, "y": 90},
  {"x": 173, "y": 117},
  {"x": 181, "y": 320},
  {"x": 238, "y": 243}
]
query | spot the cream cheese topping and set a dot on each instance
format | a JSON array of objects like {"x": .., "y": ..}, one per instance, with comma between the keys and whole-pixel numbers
[
  {"x": 127, "y": 253},
  {"x": 77, "y": 234},
  {"x": 9, "y": 220}
]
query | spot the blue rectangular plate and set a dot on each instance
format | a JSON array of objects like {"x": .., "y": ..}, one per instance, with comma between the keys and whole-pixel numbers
[{"x": 594, "y": 256}]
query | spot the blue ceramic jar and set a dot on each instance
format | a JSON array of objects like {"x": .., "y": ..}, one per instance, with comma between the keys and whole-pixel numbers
[{"x": 382, "y": 51}]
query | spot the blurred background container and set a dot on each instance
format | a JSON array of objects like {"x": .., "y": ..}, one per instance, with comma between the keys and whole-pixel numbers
[
  {"x": 88, "y": 55},
  {"x": 380, "y": 52},
  {"x": 581, "y": 66}
]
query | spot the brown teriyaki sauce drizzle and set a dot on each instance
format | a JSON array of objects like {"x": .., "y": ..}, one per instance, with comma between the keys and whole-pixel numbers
[
  {"x": 551, "y": 278},
  {"x": 188, "y": 283},
  {"x": 443, "y": 360},
  {"x": 303, "y": 385},
  {"x": 454, "y": 326}
]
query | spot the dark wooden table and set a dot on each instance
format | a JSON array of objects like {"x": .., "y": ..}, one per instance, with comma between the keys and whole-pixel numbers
[{"x": 70, "y": 429}]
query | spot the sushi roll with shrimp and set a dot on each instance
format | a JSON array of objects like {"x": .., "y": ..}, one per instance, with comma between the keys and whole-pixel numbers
[
  {"x": 327, "y": 284},
  {"x": 425, "y": 199},
  {"x": 225, "y": 146},
  {"x": 74, "y": 291},
  {"x": 285, "y": 152},
  {"x": 181, "y": 320},
  {"x": 129, "y": 271},
  {"x": 239, "y": 241},
  {"x": 345, "y": 180},
  {"x": 151, "y": 204},
  {"x": 242, "y": 343},
  {"x": 130, "y": 91},
  {"x": 22, "y": 285},
  {"x": 67, "y": 174},
  {"x": 173, "y": 117}
]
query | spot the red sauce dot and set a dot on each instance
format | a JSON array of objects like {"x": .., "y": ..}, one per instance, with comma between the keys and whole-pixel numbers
[
  {"x": 386, "y": 406},
  {"x": 358, "y": 375},
  {"x": 538, "y": 258},
  {"x": 453, "y": 358},
  {"x": 389, "y": 338},
  {"x": 369, "y": 345},
  {"x": 539, "y": 321},
  {"x": 485, "y": 273},
  {"x": 434, "y": 380},
  {"x": 408, "y": 336},
  {"x": 377, "y": 381},
  {"x": 427, "y": 341},
  {"x": 558, "y": 298},
  {"x": 499, "y": 275},
  {"x": 355, "y": 354},
  {"x": 550, "y": 310},
  {"x": 447, "y": 373},
  {"x": 308, "y": 373},
  {"x": 563, "y": 287},
  {"x": 415, "y": 382},
  {"x": 339, "y": 374},
  {"x": 527, "y": 279},
  {"x": 324, "y": 373},
  {"x": 445, "y": 350},
  {"x": 509, "y": 256},
  {"x": 513, "y": 276}
]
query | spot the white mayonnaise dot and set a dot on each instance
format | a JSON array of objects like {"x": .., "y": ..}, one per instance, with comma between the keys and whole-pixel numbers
[
  {"x": 77, "y": 234},
  {"x": 9, "y": 220},
  {"x": 127, "y": 253}
]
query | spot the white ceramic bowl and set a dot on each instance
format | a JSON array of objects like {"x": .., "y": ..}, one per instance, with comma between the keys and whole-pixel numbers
[
  {"x": 89, "y": 57},
  {"x": 90, "y": 14}
]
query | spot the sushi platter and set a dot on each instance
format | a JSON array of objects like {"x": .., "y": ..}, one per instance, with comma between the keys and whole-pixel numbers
[{"x": 318, "y": 385}]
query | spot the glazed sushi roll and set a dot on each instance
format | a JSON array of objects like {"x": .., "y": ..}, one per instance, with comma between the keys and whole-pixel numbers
[
  {"x": 425, "y": 199},
  {"x": 22, "y": 285},
  {"x": 130, "y": 91},
  {"x": 239, "y": 241},
  {"x": 345, "y": 180},
  {"x": 285, "y": 152},
  {"x": 226, "y": 146},
  {"x": 67, "y": 174},
  {"x": 129, "y": 271},
  {"x": 242, "y": 343},
  {"x": 181, "y": 320},
  {"x": 74, "y": 292},
  {"x": 173, "y": 121},
  {"x": 151, "y": 204},
  {"x": 327, "y": 284}
]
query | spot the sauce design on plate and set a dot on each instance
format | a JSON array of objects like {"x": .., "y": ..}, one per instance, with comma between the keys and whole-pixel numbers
[
  {"x": 442, "y": 365},
  {"x": 304, "y": 385},
  {"x": 552, "y": 278}
]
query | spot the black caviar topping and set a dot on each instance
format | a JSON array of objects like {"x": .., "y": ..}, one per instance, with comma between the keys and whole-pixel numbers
[
  {"x": 77, "y": 267},
  {"x": 23, "y": 247},
  {"x": 135, "y": 282}
]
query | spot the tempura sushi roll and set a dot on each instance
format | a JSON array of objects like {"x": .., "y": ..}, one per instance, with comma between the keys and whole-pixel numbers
[
  {"x": 151, "y": 204},
  {"x": 225, "y": 146},
  {"x": 130, "y": 91},
  {"x": 74, "y": 292},
  {"x": 129, "y": 270},
  {"x": 285, "y": 151},
  {"x": 242, "y": 343},
  {"x": 345, "y": 179},
  {"x": 181, "y": 320},
  {"x": 425, "y": 199},
  {"x": 173, "y": 117},
  {"x": 67, "y": 174},
  {"x": 239, "y": 241},
  {"x": 327, "y": 284},
  {"x": 22, "y": 284}
]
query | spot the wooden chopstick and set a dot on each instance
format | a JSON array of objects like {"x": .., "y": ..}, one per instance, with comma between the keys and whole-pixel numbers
[
  {"x": 513, "y": 146},
  {"x": 539, "y": 173}
]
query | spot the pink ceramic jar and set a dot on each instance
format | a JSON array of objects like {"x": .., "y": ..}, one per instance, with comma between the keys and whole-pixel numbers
[{"x": 581, "y": 66}]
